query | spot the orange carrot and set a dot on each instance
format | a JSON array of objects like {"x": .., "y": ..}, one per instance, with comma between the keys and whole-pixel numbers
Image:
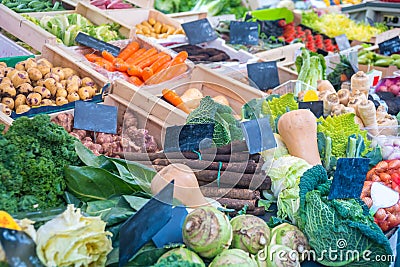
[
  {"x": 104, "y": 64},
  {"x": 180, "y": 58},
  {"x": 129, "y": 50},
  {"x": 152, "y": 51},
  {"x": 159, "y": 62},
  {"x": 147, "y": 73},
  {"x": 108, "y": 56},
  {"x": 120, "y": 65},
  {"x": 150, "y": 60},
  {"x": 164, "y": 66},
  {"x": 91, "y": 57},
  {"x": 134, "y": 71},
  {"x": 135, "y": 80},
  {"x": 135, "y": 55},
  {"x": 175, "y": 100}
]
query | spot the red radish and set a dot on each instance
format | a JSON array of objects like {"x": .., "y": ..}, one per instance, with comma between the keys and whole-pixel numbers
[
  {"x": 382, "y": 88},
  {"x": 394, "y": 89},
  {"x": 388, "y": 82}
]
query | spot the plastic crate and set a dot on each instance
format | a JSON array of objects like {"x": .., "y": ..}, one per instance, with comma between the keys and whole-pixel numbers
[{"x": 11, "y": 53}]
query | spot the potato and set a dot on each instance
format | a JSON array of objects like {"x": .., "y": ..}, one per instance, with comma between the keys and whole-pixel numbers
[
  {"x": 2, "y": 72},
  {"x": 40, "y": 82},
  {"x": 73, "y": 97},
  {"x": 87, "y": 81},
  {"x": 7, "y": 111},
  {"x": 34, "y": 99},
  {"x": 59, "y": 71},
  {"x": 11, "y": 72},
  {"x": 43, "y": 91},
  {"x": 22, "y": 109},
  {"x": 3, "y": 64},
  {"x": 221, "y": 100},
  {"x": 6, "y": 80},
  {"x": 43, "y": 69},
  {"x": 30, "y": 63},
  {"x": 84, "y": 93},
  {"x": 68, "y": 72},
  {"x": 74, "y": 79},
  {"x": 19, "y": 78},
  {"x": 61, "y": 101},
  {"x": 8, "y": 90},
  {"x": 90, "y": 89},
  {"x": 25, "y": 88},
  {"x": 20, "y": 66},
  {"x": 64, "y": 83},
  {"x": 152, "y": 21},
  {"x": 34, "y": 74},
  {"x": 47, "y": 102},
  {"x": 73, "y": 88},
  {"x": 61, "y": 93},
  {"x": 20, "y": 100},
  {"x": 52, "y": 75},
  {"x": 157, "y": 27},
  {"x": 50, "y": 84},
  {"x": 8, "y": 101},
  {"x": 44, "y": 62}
]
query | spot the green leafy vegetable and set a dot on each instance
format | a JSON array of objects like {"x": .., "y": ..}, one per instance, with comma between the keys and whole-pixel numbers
[
  {"x": 311, "y": 67},
  {"x": 342, "y": 68},
  {"x": 343, "y": 226},
  {"x": 226, "y": 129},
  {"x": 32, "y": 160}
]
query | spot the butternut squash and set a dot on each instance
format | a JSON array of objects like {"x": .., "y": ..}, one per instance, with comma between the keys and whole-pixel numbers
[
  {"x": 6, "y": 221},
  {"x": 186, "y": 187},
  {"x": 298, "y": 129}
]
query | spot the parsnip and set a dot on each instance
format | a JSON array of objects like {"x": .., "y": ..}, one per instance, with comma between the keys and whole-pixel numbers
[{"x": 367, "y": 113}]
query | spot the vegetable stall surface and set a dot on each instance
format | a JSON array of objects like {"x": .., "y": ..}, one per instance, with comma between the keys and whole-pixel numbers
[
  {"x": 32, "y": 160},
  {"x": 66, "y": 27},
  {"x": 34, "y": 83},
  {"x": 24, "y": 6}
]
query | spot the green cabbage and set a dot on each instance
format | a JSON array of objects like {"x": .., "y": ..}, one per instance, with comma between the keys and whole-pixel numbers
[{"x": 344, "y": 227}]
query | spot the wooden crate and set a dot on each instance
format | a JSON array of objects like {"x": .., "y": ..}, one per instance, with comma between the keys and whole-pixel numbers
[
  {"x": 283, "y": 55},
  {"x": 154, "y": 125},
  {"x": 188, "y": 16},
  {"x": 138, "y": 3},
  {"x": 202, "y": 78},
  {"x": 386, "y": 71},
  {"x": 58, "y": 57},
  {"x": 36, "y": 37}
]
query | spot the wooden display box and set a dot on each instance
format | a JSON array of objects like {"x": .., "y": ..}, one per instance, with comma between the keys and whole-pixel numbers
[
  {"x": 59, "y": 58},
  {"x": 283, "y": 55},
  {"x": 138, "y": 3},
  {"x": 36, "y": 37},
  {"x": 202, "y": 78},
  {"x": 188, "y": 16},
  {"x": 386, "y": 71}
]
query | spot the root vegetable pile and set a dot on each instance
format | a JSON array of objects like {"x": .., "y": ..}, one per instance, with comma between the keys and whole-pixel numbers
[
  {"x": 129, "y": 139},
  {"x": 140, "y": 65},
  {"x": 388, "y": 173},
  {"x": 157, "y": 29},
  {"x": 34, "y": 83}
]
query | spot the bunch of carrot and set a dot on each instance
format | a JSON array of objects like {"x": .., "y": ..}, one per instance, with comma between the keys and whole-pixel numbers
[{"x": 138, "y": 64}]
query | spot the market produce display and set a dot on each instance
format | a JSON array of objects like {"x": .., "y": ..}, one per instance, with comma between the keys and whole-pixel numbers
[
  {"x": 156, "y": 29},
  {"x": 141, "y": 65},
  {"x": 333, "y": 25},
  {"x": 34, "y": 83},
  {"x": 23, "y": 6},
  {"x": 89, "y": 198},
  {"x": 66, "y": 26}
]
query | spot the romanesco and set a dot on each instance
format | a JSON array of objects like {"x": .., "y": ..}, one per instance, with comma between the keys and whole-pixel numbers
[{"x": 339, "y": 128}]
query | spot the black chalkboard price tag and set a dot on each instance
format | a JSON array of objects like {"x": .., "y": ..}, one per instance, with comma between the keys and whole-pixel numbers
[
  {"x": 19, "y": 248},
  {"x": 389, "y": 47},
  {"x": 346, "y": 182},
  {"x": 343, "y": 42},
  {"x": 188, "y": 137},
  {"x": 97, "y": 44},
  {"x": 258, "y": 135},
  {"x": 264, "y": 74},
  {"x": 199, "y": 31},
  {"x": 242, "y": 32},
  {"x": 316, "y": 107},
  {"x": 95, "y": 117}
]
